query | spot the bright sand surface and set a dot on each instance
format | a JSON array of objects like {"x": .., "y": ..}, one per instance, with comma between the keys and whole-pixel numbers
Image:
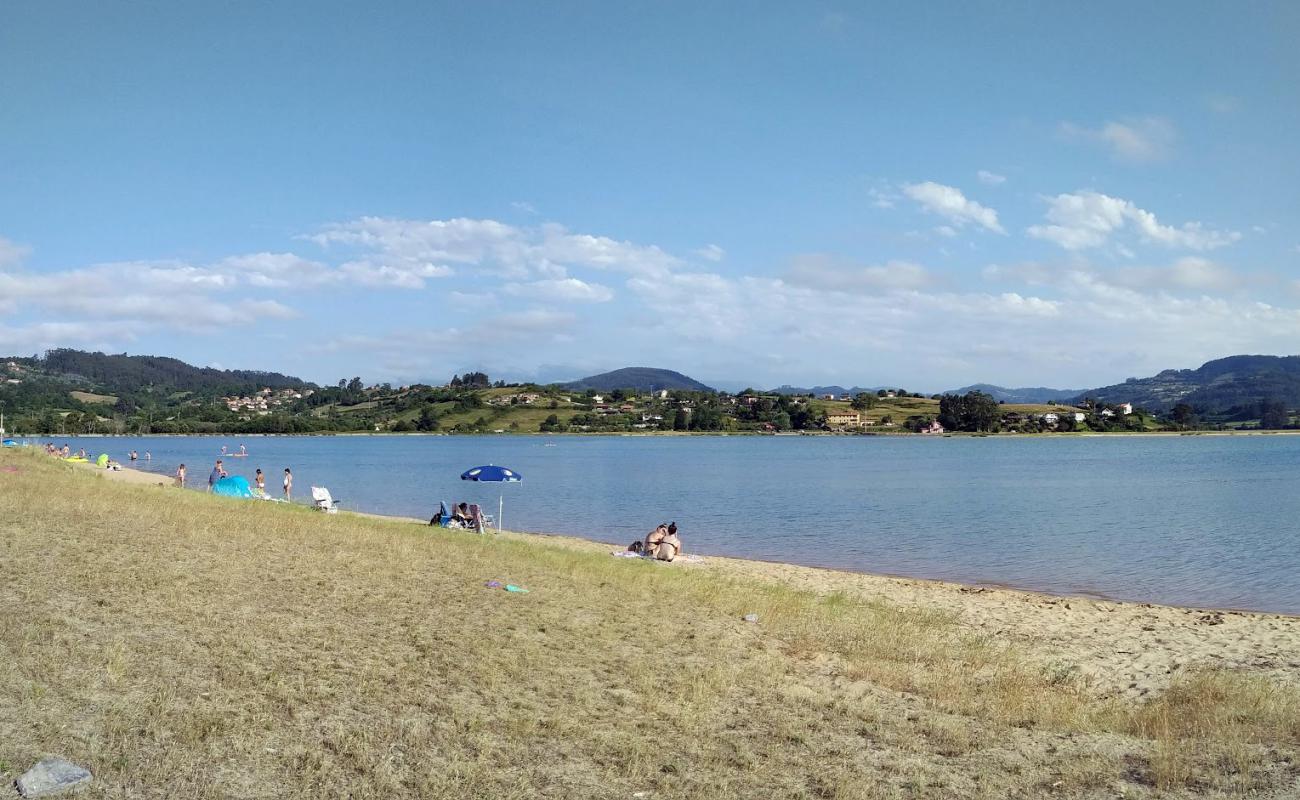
[{"x": 1121, "y": 648}]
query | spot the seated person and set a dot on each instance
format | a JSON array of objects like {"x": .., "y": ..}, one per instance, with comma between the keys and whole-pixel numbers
[
  {"x": 475, "y": 520},
  {"x": 440, "y": 516},
  {"x": 460, "y": 514},
  {"x": 670, "y": 546},
  {"x": 653, "y": 538}
]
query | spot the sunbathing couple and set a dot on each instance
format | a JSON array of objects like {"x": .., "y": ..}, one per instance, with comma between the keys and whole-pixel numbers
[
  {"x": 462, "y": 516},
  {"x": 661, "y": 543}
]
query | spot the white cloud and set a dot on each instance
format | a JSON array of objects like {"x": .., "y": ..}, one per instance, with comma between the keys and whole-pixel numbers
[
  {"x": 365, "y": 272},
  {"x": 991, "y": 178},
  {"x": 1222, "y": 103},
  {"x": 828, "y": 273},
  {"x": 946, "y": 231},
  {"x": 524, "y": 206},
  {"x": 1135, "y": 140},
  {"x": 12, "y": 253},
  {"x": 881, "y": 199},
  {"x": 950, "y": 203},
  {"x": 711, "y": 252},
  {"x": 1189, "y": 274},
  {"x": 490, "y": 246},
  {"x": 561, "y": 290},
  {"x": 1088, "y": 219}
]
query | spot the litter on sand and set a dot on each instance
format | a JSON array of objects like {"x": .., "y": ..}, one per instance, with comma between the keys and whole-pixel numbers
[{"x": 509, "y": 587}]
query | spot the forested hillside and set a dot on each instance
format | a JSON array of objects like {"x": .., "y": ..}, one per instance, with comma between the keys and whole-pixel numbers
[{"x": 1217, "y": 387}]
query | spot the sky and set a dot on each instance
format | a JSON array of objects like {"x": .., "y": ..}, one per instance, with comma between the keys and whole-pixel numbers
[{"x": 924, "y": 195}]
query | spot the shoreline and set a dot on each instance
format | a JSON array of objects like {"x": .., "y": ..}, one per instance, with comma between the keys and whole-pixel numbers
[
  {"x": 675, "y": 434},
  {"x": 143, "y": 477},
  {"x": 1122, "y": 648}
]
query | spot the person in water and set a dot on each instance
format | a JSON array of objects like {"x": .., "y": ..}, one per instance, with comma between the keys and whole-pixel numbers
[
  {"x": 670, "y": 546},
  {"x": 134, "y": 456},
  {"x": 288, "y": 484},
  {"x": 180, "y": 476}
]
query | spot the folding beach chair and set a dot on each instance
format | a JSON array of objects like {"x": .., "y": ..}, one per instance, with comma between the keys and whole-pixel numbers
[{"x": 322, "y": 501}]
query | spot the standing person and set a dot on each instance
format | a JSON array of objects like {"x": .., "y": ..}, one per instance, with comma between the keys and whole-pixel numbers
[
  {"x": 134, "y": 456},
  {"x": 260, "y": 480},
  {"x": 147, "y": 456},
  {"x": 288, "y": 484},
  {"x": 243, "y": 451},
  {"x": 218, "y": 472},
  {"x": 180, "y": 476}
]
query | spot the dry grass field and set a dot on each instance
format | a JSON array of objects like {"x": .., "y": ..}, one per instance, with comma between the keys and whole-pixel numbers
[{"x": 186, "y": 646}]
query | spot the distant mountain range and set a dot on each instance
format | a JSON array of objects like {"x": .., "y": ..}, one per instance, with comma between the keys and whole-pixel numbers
[
  {"x": 642, "y": 379},
  {"x": 1214, "y": 387},
  {"x": 1027, "y": 394}
]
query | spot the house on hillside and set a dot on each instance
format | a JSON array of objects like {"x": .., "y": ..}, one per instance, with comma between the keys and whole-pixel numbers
[
  {"x": 598, "y": 398},
  {"x": 828, "y": 397},
  {"x": 1106, "y": 412},
  {"x": 662, "y": 394},
  {"x": 891, "y": 393},
  {"x": 933, "y": 428},
  {"x": 1051, "y": 418},
  {"x": 1079, "y": 416},
  {"x": 843, "y": 419},
  {"x": 1126, "y": 408}
]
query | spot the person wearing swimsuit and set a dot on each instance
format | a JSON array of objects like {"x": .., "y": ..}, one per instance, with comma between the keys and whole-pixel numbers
[
  {"x": 670, "y": 546},
  {"x": 653, "y": 538}
]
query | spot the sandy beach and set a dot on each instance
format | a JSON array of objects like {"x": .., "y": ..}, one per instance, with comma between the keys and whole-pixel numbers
[
  {"x": 179, "y": 644},
  {"x": 1124, "y": 649}
]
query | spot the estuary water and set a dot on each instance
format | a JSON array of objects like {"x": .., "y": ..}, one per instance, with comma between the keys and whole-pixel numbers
[{"x": 1191, "y": 520}]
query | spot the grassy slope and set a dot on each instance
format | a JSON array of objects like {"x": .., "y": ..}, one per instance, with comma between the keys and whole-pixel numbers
[
  {"x": 182, "y": 645},
  {"x": 88, "y": 397}
]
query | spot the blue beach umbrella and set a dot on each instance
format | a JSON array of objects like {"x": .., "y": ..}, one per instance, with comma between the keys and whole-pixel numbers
[{"x": 493, "y": 474}]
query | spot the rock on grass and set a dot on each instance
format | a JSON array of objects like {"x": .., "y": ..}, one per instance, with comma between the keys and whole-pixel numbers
[{"x": 52, "y": 776}]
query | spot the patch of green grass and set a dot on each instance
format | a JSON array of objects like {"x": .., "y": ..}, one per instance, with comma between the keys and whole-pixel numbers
[{"x": 88, "y": 397}]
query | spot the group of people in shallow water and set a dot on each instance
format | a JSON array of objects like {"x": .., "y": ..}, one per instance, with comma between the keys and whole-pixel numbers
[{"x": 662, "y": 543}]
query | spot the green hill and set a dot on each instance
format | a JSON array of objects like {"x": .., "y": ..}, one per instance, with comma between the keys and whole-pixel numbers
[
  {"x": 1215, "y": 387},
  {"x": 124, "y": 373},
  {"x": 642, "y": 379}
]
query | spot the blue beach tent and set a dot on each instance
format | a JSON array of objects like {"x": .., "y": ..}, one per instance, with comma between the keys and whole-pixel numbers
[{"x": 233, "y": 486}]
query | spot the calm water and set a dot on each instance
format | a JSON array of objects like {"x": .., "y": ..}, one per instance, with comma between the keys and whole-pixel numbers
[{"x": 1208, "y": 521}]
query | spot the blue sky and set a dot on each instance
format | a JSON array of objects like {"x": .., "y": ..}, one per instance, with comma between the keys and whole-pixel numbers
[{"x": 925, "y": 195}]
